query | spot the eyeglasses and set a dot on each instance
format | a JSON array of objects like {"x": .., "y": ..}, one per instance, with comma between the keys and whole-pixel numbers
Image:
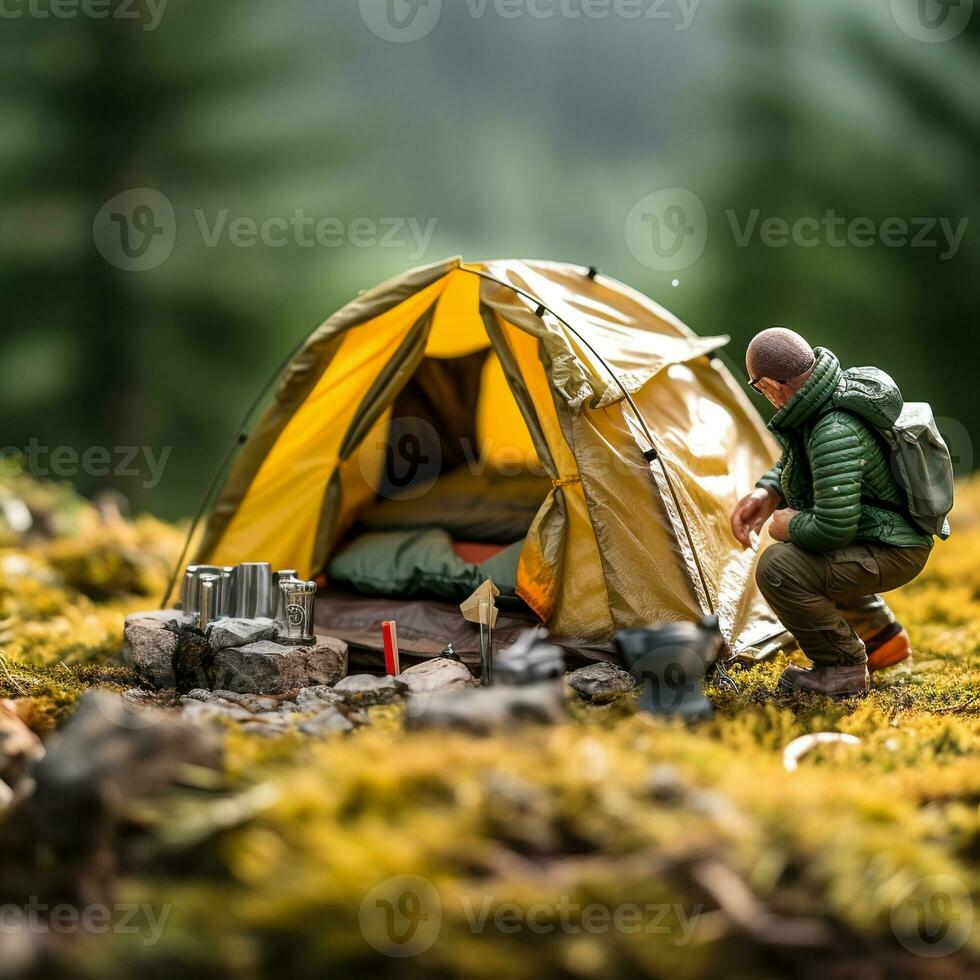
[{"x": 754, "y": 385}]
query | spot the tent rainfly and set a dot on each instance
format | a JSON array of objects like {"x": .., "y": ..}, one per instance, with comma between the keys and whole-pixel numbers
[{"x": 646, "y": 437}]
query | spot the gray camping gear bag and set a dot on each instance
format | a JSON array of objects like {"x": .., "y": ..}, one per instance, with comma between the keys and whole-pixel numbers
[{"x": 920, "y": 459}]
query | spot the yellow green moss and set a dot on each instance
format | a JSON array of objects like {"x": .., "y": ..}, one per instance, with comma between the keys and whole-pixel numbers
[{"x": 272, "y": 875}]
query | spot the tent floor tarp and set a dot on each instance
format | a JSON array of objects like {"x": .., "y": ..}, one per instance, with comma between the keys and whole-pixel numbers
[{"x": 425, "y": 626}]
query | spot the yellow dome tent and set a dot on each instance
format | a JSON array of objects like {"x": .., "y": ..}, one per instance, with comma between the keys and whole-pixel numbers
[{"x": 647, "y": 438}]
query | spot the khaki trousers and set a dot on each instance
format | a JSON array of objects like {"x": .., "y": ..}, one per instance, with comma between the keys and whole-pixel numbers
[{"x": 829, "y": 600}]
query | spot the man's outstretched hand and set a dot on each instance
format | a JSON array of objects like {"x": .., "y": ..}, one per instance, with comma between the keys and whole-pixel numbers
[{"x": 751, "y": 512}]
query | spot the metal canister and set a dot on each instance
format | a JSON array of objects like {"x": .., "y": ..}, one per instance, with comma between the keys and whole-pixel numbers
[
  {"x": 210, "y": 597},
  {"x": 283, "y": 575},
  {"x": 253, "y": 590},
  {"x": 296, "y": 601}
]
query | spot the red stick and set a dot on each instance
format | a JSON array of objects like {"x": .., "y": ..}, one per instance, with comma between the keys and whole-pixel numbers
[{"x": 389, "y": 633}]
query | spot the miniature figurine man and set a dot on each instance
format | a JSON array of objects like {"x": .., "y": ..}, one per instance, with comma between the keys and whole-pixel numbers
[{"x": 836, "y": 550}]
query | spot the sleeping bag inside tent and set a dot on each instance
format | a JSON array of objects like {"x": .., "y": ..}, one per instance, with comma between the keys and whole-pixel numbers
[{"x": 530, "y": 422}]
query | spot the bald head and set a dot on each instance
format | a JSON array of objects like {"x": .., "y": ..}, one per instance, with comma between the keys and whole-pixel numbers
[{"x": 778, "y": 354}]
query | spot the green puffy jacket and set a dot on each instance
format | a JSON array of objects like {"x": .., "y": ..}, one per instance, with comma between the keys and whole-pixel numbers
[{"x": 831, "y": 459}]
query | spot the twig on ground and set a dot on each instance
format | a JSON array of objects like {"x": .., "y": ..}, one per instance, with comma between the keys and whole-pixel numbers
[
  {"x": 10, "y": 677},
  {"x": 748, "y": 914},
  {"x": 952, "y": 709}
]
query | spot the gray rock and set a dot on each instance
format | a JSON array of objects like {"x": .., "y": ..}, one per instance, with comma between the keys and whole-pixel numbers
[
  {"x": 268, "y": 668},
  {"x": 140, "y": 697},
  {"x": 257, "y": 703},
  {"x": 193, "y": 661},
  {"x": 262, "y": 730},
  {"x": 432, "y": 676},
  {"x": 665, "y": 785},
  {"x": 21, "y": 944},
  {"x": 483, "y": 710},
  {"x": 20, "y": 749},
  {"x": 150, "y": 646},
  {"x": 107, "y": 755},
  {"x": 221, "y": 695},
  {"x": 529, "y": 659},
  {"x": 327, "y": 721},
  {"x": 240, "y": 632},
  {"x": 208, "y": 711},
  {"x": 316, "y": 697},
  {"x": 600, "y": 683},
  {"x": 163, "y": 616},
  {"x": 278, "y": 719},
  {"x": 364, "y": 690}
]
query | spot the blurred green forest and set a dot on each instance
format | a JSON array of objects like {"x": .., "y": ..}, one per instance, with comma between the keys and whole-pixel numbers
[{"x": 527, "y": 137}]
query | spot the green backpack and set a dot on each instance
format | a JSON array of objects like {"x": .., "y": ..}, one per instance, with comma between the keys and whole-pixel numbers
[{"x": 920, "y": 459}]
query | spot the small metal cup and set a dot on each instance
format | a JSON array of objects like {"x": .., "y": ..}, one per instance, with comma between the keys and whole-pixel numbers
[
  {"x": 253, "y": 590},
  {"x": 190, "y": 592},
  {"x": 226, "y": 603},
  {"x": 296, "y": 601}
]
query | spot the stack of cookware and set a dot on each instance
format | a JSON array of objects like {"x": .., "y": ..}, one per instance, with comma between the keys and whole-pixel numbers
[{"x": 251, "y": 591}]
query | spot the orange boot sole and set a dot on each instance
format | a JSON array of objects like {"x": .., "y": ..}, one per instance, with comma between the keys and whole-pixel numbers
[{"x": 892, "y": 651}]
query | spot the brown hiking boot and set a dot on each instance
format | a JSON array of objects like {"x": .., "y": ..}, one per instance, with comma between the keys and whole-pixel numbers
[
  {"x": 836, "y": 681},
  {"x": 889, "y": 647}
]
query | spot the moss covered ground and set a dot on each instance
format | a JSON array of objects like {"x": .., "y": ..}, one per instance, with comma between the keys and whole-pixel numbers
[{"x": 613, "y": 845}]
